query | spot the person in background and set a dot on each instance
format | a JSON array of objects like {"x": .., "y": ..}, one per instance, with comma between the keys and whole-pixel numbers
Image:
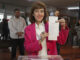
[
  {"x": 73, "y": 32},
  {"x": 26, "y": 17},
  {"x": 5, "y": 29},
  {"x": 57, "y": 13},
  {"x": 36, "y": 35},
  {"x": 16, "y": 27},
  {"x": 78, "y": 32}
]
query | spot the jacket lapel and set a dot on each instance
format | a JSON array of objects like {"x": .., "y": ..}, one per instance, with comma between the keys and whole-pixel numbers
[
  {"x": 33, "y": 31},
  {"x": 46, "y": 27}
]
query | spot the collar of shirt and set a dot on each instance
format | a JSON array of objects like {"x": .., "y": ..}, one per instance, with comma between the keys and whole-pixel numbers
[
  {"x": 38, "y": 26},
  {"x": 17, "y": 18},
  {"x": 39, "y": 29}
]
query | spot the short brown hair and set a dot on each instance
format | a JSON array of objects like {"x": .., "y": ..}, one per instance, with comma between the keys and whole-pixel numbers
[
  {"x": 16, "y": 10},
  {"x": 38, "y": 5}
]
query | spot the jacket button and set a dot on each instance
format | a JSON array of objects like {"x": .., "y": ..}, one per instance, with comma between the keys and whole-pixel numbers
[{"x": 48, "y": 49}]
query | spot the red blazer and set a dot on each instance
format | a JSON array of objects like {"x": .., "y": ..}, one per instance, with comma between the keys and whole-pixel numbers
[{"x": 32, "y": 45}]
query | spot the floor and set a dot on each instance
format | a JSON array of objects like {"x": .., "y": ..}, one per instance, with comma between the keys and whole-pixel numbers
[
  {"x": 67, "y": 52},
  {"x": 70, "y": 53}
]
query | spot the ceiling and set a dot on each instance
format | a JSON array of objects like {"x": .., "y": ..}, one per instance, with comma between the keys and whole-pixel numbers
[{"x": 53, "y": 3}]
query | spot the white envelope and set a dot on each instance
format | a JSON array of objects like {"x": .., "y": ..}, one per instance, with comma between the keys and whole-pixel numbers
[{"x": 53, "y": 28}]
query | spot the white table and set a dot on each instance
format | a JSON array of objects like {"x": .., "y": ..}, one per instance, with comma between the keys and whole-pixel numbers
[{"x": 49, "y": 57}]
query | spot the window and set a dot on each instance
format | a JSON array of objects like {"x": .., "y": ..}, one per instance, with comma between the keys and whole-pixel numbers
[
  {"x": 1, "y": 17},
  {"x": 9, "y": 16}
]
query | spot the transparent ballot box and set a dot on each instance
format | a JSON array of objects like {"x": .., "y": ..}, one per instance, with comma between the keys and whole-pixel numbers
[{"x": 49, "y": 57}]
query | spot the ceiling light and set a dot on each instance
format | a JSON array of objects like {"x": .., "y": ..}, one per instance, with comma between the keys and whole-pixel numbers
[{"x": 73, "y": 8}]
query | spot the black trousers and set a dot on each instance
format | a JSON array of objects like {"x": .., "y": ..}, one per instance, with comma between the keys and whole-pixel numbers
[
  {"x": 17, "y": 43},
  {"x": 58, "y": 48}
]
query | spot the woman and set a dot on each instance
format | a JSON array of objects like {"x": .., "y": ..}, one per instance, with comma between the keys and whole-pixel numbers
[{"x": 36, "y": 34}]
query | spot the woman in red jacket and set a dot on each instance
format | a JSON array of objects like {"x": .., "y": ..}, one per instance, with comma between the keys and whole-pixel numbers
[{"x": 36, "y": 34}]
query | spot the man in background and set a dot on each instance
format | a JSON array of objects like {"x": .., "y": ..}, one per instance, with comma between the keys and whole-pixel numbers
[
  {"x": 57, "y": 13},
  {"x": 16, "y": 27}
]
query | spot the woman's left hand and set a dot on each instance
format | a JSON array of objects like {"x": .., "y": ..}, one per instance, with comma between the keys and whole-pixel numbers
[{"x": 62, "y": 22}]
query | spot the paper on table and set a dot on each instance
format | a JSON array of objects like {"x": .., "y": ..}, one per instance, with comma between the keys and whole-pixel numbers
[{"x": 53, "y": 28}]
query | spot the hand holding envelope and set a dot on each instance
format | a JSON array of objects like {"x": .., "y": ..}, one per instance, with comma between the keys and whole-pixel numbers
[{"x": 62, "y": 22}]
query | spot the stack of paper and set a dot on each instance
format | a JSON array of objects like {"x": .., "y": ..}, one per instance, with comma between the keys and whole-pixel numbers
[{"x": 53, "y": 28}]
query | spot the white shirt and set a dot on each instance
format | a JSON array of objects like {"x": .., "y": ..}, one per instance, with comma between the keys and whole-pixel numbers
[
  {"x": 16, "y": 25},
  {"x": 28, "y": 21},
  {"x": 39, "y": 29}
]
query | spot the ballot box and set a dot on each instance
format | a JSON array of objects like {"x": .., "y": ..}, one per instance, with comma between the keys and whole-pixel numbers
[{"x": 49, "y": 57}]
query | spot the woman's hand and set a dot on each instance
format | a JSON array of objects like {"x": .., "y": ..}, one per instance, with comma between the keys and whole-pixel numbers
[
  {"x": 43, "y": 36},
  {"x": 62, "y": 22}
]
